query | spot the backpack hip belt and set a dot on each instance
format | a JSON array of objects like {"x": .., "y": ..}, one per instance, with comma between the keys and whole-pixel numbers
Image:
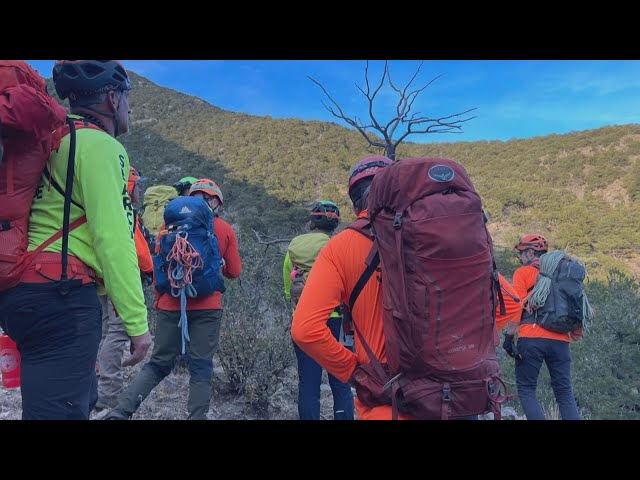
[{"x": 47, "y": 267}]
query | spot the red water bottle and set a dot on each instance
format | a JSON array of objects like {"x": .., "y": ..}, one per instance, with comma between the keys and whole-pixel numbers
[{"x": 9, "y": 362}]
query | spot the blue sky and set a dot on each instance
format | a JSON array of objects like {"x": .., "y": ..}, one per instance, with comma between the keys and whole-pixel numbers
[{"x": 514, "y": 98}]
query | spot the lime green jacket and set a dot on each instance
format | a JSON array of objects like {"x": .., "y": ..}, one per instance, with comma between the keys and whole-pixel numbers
[{"x": 105, "y": 242}]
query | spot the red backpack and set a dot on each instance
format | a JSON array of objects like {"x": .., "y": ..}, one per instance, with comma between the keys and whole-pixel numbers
[
  {"x": 439, "y": 288},
  {"x": 33, "y": 126}
]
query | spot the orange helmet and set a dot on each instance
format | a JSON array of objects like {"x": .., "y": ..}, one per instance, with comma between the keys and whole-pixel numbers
[
  {"x": 207, "y": 186},
  {"x": 533, "y": 241}
]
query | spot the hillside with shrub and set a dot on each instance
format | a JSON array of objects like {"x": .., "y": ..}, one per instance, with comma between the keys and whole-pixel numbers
[{"x": 581, "y": 190}]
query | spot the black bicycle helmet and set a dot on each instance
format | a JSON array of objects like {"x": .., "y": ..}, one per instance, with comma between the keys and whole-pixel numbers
[
  {"x": 79, "y": 78},
  {"x": 325, "y": 215}
]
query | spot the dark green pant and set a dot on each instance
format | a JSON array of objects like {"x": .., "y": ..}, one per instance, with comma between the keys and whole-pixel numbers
[{"x": 204, "y": 334}]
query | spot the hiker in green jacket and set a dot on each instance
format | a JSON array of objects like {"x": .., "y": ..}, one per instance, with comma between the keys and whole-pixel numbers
[
  {"x": 57, "y": 325},
  {"x": 300, "y": 256}
]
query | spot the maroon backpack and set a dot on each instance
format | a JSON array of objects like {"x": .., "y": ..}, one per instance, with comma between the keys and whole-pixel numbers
[
  {"x": 439, "y": 288},
  {"x": 24, "y": 175}
]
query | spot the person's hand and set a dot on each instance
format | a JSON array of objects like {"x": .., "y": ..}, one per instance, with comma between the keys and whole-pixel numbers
[
  {"x": 139, "y": 347},
  {"x": 576, "y": 334},
  {"x": 510, "y": 347}
]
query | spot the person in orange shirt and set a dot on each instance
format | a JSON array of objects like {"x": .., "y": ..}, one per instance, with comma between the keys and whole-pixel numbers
[
  {"x": 537, "y": 344},
  {"x": 205, "y": 318},
  {"x": 337, "y": 269},
  {"x": 114, "y": 336},
  {"x": 334, "y": 275}
]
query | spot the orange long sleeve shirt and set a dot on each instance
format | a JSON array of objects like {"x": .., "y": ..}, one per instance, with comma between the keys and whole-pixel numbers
[
  {"x": 142, "y": 249},
  {"x": 524, "y": 279},
  {"x": 512, "y": 303}
]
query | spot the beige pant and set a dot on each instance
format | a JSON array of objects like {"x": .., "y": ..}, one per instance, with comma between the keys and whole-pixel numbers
[{"x": 114, "y": 341}]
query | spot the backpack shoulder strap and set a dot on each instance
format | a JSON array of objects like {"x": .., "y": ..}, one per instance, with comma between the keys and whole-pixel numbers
[
  {"x": 535, "y": 265},
  {"x": 363, "y": 226},
  {"x": 78, "y": 123},
  {"x": 58, "y": 136},
  {"x": 64, "y": 281},
  {"x": 372, "y": 261}
]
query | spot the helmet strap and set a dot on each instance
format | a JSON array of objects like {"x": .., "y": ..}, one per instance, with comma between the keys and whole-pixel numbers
[{"x": 529, "y": 259}]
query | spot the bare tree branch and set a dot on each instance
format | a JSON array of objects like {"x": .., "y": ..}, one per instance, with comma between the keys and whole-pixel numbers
[
  {"x": 404, "y": 106},
  {"x": 269, "y": 240},
  {"x": 372, "y": 97},
  {"x": 413, "y": 122},
  {"x": 354, "y": 123},
  {"x": 436, "y": 125}
]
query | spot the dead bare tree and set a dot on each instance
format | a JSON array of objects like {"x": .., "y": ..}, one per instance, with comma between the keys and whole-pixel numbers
[{"x": 414, "y": 123}]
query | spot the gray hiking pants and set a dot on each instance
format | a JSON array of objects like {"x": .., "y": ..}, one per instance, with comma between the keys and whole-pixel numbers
[
  {"x": 204, "y": 332},
  {"x": 114, "y": 341}
]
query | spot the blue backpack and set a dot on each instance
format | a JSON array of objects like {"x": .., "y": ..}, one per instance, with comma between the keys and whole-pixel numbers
[{"x": 189, "y": 222}]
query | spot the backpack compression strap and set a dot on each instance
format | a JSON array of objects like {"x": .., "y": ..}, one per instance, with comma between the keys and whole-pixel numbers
[{"x": 498, "y": 287}]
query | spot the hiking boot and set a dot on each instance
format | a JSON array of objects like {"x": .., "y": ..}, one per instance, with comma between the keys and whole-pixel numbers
[
  {"x": 117, "y": 414},
  {"x": 105, "y": 404}
]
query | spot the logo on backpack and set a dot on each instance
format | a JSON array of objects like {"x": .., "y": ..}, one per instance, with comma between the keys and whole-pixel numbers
[
  {"x": 558, "y": 301},
  {"x": 439, "y": 290},
  {"x": 441, "y": 173},
  {"x": 189, "y": 255}
]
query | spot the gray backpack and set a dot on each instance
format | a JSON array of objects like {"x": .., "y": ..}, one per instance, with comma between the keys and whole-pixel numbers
[
  {"x": 558, "y": 301},
  {"x": 297, "y": 285}
]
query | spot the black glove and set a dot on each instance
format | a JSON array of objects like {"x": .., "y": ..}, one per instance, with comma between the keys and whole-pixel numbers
[{"x": 511, "y": 347}]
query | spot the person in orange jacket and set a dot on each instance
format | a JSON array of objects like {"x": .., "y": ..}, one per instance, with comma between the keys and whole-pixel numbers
[
  {"x": 537, "y": 344},
  {"x": 335, "y": 273},
  {"x": 205, "y": 319},
  {"x": 333, "y": 277},
  {"x": 114, "y": 337}
]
